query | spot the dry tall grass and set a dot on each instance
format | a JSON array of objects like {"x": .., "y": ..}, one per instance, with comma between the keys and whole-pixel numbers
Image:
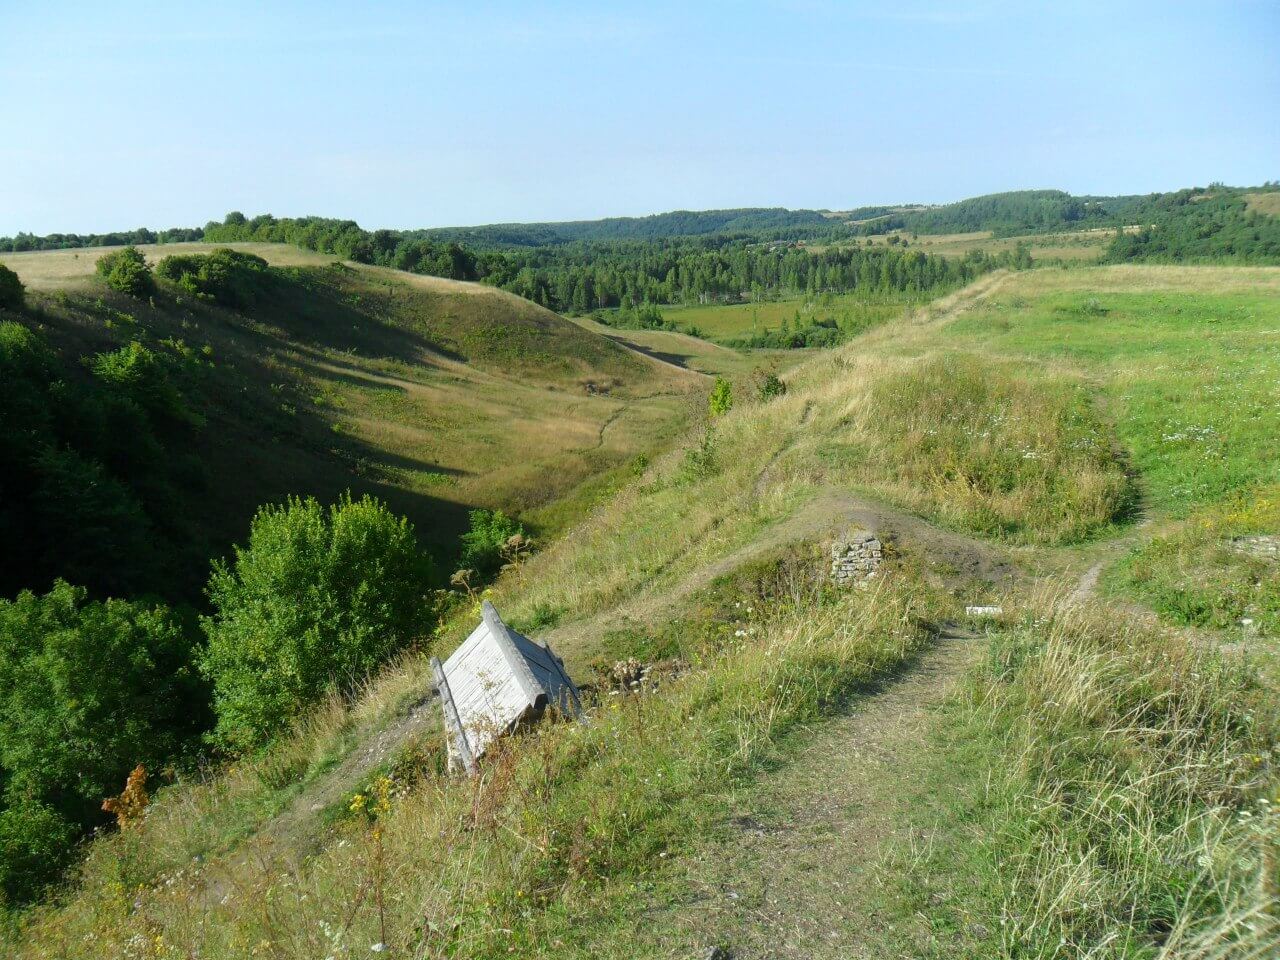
[
  {"x": 989, "y": 447},
  {"x": 1132, "y": 799},
  {"x": 557, "y": 828}
]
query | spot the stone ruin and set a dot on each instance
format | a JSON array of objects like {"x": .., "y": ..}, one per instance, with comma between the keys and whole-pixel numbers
[
  {"x": 855, "y": 559},
  {"x": 1260, "y": 548}
]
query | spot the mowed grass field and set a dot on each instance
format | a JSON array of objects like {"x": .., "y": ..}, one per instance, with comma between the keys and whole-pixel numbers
[
  {"x": 437, "y": 395},
  {"x": 1077, "y": 246},
  {"x": 728, "y": 322}
]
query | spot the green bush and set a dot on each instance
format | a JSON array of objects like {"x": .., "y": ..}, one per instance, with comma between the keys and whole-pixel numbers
[
  {"x": 768, "y": 385},
  {"x": 126, "y": 270},
  {"x": 35, "y": 846},
  {"x": 482, "y": 544},
  {"x": 225, "y": 276},
  {"x": 315, "y": 601},
  {"x": 721, "y": 400},
  {"x": 141, "y": 375},
  {"x": 12, "y": 293},
  {"x": 87, "y": 691}
]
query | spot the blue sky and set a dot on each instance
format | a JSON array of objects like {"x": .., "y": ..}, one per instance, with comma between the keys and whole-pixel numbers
[{"x": 118, "y": 115}]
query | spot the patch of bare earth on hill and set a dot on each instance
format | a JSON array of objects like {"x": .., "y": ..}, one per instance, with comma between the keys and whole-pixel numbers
[
  {"x": 951, "y": 558},
  {"x": 796, "y": 865}
]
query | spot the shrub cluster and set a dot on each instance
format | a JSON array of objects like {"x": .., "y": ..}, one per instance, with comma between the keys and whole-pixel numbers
[
  {"x": 127, "y": 270},
  {"x": 87, "y": 691},
  {"x": 90, "y": 690},
  {"x": 483, "y": 543},
  {"x": 225, "y": 276},
  {"x": 12, "y": 292},
  {"x": 315, "y": 601}
]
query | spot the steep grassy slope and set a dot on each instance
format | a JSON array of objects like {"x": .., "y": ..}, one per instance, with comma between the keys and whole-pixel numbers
[
  {"x": 437, "y": 396},
  {"x": 707, "y": 562}
]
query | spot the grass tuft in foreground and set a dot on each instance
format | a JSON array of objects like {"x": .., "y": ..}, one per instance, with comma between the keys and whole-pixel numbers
[{"x": 1127, "y": 809}]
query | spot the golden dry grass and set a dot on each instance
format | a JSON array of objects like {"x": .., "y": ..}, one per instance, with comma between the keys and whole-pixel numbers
[{"x": 1268, "y": 202}]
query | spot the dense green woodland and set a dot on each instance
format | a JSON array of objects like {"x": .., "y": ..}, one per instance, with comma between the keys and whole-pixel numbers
[
  {"x": 672, "y": 257},
  {"x": 678, "y": 223},
  {"x": 1191, "y": 226},
  {"x": 1005, "y": 214}
]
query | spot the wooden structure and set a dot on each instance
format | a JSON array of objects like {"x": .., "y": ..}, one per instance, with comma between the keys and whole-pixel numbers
[{"x": 495, "y": 681}]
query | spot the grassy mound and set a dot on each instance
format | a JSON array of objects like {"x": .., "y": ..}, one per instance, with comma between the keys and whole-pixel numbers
[
  {"x": 1124, "y": 802},
  {"x": 988, "y": 447}
]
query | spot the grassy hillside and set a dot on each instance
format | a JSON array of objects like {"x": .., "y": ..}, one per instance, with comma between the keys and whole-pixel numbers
[
  {"x": 436, "y": 395},
  {"x": 1092, "y": 786}
]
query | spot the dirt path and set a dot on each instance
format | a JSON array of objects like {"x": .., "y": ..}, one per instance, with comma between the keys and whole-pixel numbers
[
  {"x": 954, "y": 556},
  {"x": 790, "y": 875},
  {"x": 284, "y": 841}
]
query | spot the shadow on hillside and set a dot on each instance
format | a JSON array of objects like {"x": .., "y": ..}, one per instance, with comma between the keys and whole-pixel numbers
[
  {"x": 328, "y": 308},
  {"x": 262, "y": 439},
  {"x": 676, "y": 359}
]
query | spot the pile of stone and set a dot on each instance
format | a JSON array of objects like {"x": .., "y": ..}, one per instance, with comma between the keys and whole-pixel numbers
[
  {"x": 855, "y": 559},
  {"x": 1261, "y": 547}
]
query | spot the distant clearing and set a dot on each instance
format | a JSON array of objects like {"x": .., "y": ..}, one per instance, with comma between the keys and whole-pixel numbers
[
  {"x": 1268, "y": 203},
  {"x": 729, "y": 321},
  {"x": 53, "y": 269},
  {"x": 1075, "y": 245}
]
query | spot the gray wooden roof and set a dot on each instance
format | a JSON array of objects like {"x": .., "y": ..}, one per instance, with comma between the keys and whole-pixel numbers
[{"x": 493, "y": 681}]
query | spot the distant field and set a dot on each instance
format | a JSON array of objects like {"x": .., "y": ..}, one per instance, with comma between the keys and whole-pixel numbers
[
  {"x": 693, "y": 353},
  {"x": 52, "y": 269},
  {"x": 1268, "y": 202},
  {"x": 721, "y": 322},
  {"x": 1079, "y": 245}
]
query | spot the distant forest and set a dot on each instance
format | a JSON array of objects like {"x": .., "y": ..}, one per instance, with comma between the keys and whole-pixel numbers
[{"x": 695, "y": 256}]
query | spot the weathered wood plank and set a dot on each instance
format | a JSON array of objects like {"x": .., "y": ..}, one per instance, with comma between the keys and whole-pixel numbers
[
  {"x": 452, "y": 721},
  {"x": 496, "y": 679}
]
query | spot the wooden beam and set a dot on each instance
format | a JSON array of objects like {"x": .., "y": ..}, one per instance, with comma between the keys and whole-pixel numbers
[{"x": 452, "y": 722}]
